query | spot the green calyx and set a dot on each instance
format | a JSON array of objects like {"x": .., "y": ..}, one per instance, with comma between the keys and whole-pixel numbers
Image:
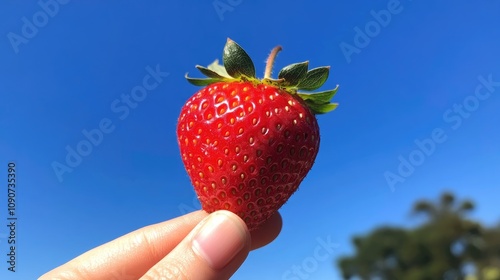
[{"x": 238, "y": 66}]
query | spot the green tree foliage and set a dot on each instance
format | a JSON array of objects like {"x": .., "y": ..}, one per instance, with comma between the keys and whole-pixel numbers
[
  {"x": 488, "y": 258},
  {"x": 440, "y": 248}
]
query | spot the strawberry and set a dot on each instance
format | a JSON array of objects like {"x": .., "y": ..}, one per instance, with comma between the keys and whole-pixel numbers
[{"x": 248, "y": 143}]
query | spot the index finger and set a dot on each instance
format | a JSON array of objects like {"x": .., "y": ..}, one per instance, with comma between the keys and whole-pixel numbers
[{"x": 130, "y": 255}]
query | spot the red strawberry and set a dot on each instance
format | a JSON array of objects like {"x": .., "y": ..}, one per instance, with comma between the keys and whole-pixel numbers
[{"x": 247, "y": 143}]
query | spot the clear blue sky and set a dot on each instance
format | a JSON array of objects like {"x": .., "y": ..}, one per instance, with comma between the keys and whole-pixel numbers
[{"x": 411, "y": 77}]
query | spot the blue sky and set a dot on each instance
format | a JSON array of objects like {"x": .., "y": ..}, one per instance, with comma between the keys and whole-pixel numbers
[{"x": 419, "y": 76}]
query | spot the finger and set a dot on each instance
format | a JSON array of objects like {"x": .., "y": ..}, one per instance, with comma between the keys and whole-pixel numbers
[
  {"x": 215, "y": 249},
  {"x": 133, "y": 254},
  {"x": 267, "y": 232},
  {"x": 130, "y": 255}
]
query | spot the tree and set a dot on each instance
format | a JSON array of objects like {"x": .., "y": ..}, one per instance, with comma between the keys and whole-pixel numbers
[
  {"x": 488, "y": 258},
  {"x": 439, "y": 248},
  {"x": 378, "y": 254}
]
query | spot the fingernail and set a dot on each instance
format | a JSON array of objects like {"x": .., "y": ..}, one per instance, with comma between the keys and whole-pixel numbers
[{"x": 219, "y": 240}]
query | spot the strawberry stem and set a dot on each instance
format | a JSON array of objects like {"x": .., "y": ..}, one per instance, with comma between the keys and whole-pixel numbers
[{"x": 270, "y": 61}]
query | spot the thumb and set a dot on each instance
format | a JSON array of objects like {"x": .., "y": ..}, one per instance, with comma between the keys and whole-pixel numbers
[{"x": 214, "y": 249}]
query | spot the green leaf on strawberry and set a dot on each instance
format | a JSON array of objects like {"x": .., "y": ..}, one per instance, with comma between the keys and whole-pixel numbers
[
  {"x": 237, "y": 62},
  {"x": 293, "y": 73},
  {"x": 314, "y": 78}
]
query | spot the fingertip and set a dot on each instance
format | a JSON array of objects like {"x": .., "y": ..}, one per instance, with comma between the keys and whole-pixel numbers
[
  {"x": 214, "y": 249},
  {"x": 267, "y": 232},
  {"x": 221, "y": 237}
]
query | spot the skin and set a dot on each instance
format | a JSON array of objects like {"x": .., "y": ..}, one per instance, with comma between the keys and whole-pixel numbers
[{"x": 194, "y": 246}]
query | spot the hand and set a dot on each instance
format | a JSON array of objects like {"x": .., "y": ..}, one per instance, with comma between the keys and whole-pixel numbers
[{"x": 193, "y": 246}]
